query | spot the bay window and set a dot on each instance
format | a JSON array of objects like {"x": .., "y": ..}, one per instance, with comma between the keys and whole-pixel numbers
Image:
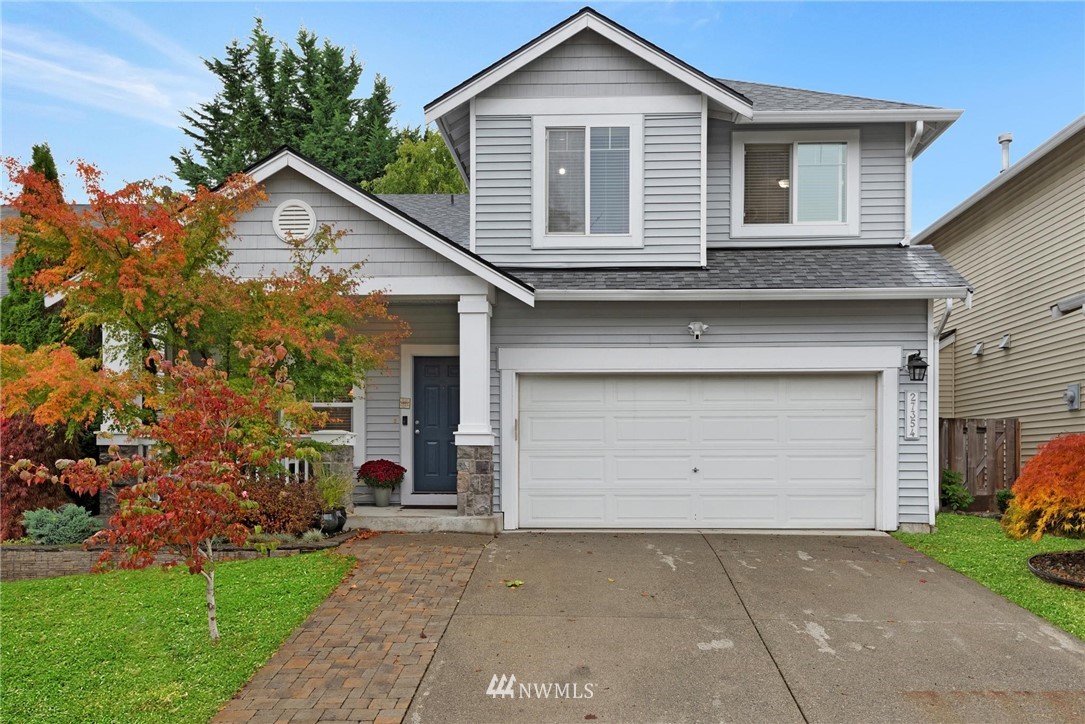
[{"x": 795, "y": 183}]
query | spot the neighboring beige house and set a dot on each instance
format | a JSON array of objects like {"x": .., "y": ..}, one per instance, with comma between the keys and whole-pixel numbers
[{"x": 1019, "y": 351}]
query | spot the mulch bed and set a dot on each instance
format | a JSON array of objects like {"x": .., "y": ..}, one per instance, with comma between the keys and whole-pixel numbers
[{"x": 1066, "y": 568}]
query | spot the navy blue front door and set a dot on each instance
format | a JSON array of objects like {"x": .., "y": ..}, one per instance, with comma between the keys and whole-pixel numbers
[{"x": 436, "y": 415}]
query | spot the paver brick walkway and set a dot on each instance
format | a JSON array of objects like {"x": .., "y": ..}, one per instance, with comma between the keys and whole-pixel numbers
[{"x": 361, "y": 655}]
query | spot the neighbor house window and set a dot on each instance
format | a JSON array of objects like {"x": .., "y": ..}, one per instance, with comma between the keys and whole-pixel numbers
[
  {"x": 587, "y": 193},
  {"x": 796, "y": 183}
]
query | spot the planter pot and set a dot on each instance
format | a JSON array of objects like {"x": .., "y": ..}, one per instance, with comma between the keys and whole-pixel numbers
[
  {"x": 381, "y": 497},
  {"x": 333, "y": 522}
]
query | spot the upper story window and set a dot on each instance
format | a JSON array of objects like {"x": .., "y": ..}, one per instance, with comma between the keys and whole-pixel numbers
[
  {"x": 587, "y": 181},
  {"x": 795, "y": 183}
]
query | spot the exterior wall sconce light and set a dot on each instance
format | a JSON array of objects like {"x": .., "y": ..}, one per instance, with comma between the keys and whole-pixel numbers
[
  {"x": 696, "y": 329},
  {"x": 917, "y": 367}
]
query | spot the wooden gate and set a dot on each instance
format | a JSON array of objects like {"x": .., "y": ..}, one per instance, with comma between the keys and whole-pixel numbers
[{"x": 987, "y": 451}]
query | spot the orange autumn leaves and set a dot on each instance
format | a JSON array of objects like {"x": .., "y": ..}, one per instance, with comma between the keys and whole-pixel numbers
[
  {"x": 1049, "y": 495},
  {"x": 154, "y": 267}
]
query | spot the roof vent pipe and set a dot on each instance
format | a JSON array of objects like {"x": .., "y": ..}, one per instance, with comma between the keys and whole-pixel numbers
[{"x": 1005, "y": 139}]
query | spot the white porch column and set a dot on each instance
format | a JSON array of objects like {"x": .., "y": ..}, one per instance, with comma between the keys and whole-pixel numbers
[{"x": 475, "y": 429}]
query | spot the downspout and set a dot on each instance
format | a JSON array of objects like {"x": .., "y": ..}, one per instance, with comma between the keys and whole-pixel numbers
[
  {"x": 945, "y": 318},
  {"x": 909, "y": 153}
]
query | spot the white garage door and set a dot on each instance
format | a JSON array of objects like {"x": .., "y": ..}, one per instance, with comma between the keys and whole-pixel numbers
[{"x": 697, "y": 451}]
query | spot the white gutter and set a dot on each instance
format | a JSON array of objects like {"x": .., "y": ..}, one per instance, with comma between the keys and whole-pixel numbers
[
  {"x": 886, "y": 115},
  {"x": 624, "y": 295},
  {"x": 909, "y": 151}
]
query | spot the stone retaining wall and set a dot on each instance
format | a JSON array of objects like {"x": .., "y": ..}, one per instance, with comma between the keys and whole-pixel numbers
[{"x": 22, "y": 562}]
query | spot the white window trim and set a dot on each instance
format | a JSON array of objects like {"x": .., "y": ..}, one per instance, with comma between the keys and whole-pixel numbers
[
  {"x": 739, "y": 139},
  {"x": 540, "y": 239}
]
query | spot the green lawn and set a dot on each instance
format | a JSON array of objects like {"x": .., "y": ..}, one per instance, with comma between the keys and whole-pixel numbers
[
  {"x": 133, "y": 646},
  {"x": 979, "y": 549}
]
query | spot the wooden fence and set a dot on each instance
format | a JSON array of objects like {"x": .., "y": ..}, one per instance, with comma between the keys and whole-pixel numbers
[{"x": 987, "y": 451}]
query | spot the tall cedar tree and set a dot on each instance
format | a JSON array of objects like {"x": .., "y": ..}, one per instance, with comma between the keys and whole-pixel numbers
[
  {"x": 273, "y": 95},
  {"x": 423, "y": 165},
  {"x": 24, "y": 318}
]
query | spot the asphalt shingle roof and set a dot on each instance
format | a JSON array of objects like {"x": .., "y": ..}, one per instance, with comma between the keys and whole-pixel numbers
[
  {"x": 883, "y": 267},
  {"x": 781, "y": 98},
  {"x": 447, "y": 214},
  {"x": 783, "y": 268}
]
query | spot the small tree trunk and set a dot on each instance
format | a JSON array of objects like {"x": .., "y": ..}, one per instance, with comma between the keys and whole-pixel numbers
[{"x": 212, "y": 618}]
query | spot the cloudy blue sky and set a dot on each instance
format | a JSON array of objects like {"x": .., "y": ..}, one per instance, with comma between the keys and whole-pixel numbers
[{"x": 106, "y": 82}]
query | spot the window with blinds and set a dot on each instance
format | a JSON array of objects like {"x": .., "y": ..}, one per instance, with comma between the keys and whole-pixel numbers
[
  {"x": 767, "y": 184},
  {"x": 609, "y": 180},
  {"x": 587, "y": 185}
]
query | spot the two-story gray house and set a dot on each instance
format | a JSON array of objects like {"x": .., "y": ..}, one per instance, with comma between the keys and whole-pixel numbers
[{"x": 669, "y": 301}]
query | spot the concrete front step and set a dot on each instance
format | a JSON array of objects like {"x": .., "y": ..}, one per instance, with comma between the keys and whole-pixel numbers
[{"x": 423, "y": 520}]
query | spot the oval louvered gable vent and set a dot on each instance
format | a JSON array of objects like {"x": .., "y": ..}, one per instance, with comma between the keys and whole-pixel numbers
[{"x": 294, "y": 219}]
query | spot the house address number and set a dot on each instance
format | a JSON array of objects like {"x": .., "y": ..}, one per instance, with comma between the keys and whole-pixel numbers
[{"x": 911, "y": 415}]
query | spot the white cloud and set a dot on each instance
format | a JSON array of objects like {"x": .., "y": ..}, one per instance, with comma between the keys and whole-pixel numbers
[
  {"x": 128, "y": 23},
  {"x": 53, "y": 65}
]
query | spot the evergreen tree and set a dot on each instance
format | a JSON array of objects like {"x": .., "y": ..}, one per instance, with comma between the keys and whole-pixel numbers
[
  {"x": 423, "y": 165},
  {"x": 275, "y": 94},
  {"x": 24, "y": 318}
]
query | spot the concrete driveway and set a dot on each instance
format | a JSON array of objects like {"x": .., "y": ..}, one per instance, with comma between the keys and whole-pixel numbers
[{"x": 686, "y": 627}]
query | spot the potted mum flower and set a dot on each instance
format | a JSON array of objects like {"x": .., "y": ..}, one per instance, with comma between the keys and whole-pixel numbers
[{"x": 382, "y": 476}]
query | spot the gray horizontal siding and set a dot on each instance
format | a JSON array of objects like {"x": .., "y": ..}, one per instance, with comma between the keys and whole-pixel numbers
[
  {"x": 881, "y": 202},
  {"x": 672, "y": 199},
  {"x": 502, "y": 186},
  {"x": 635, "y": 325},
  {"x": 672, "y": 187},
  {"x": 587, "y": 66},
  {"x": 430, "y": 324},
  {"x": 257, "y": 251}
]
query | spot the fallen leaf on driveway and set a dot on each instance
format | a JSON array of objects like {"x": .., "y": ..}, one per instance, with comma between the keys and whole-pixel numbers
[
  {"x": 512, "y": 584},
  {"x": 590, "y": 716},
  {"x": 611, "y": 580},
  {"x": 423, "y": 635}
]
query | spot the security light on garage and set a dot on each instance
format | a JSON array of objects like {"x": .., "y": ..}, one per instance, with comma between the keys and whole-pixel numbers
[{"x": 917, "y": 367}]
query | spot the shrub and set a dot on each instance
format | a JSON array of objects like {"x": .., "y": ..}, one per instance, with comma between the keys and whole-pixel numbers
[
  {"x": 312, "y": 536},
  {"x": 954, "y": 495},
  {"x": 1049, "y": 496},
  {"x": 70, "y": 524},
  {"x": 1003, "y": 496},
  {"x": 284, "y": 505},
  {"x": 381, "y": 473},
  {"x": 332, "y": 489},
  {"x": 25, "y": 439}
]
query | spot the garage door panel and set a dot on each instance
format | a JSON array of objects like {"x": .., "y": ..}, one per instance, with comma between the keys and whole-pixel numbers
[
  {"x": 728, "y": 392},
  {"x": 546, "y": 469},
  {"x": 660, "y": 469},
  {"x": 557, "y": 392},
  {"x": 665, "y": 391},
  {"x": 655, "y": 429},
  {"x": 568, "y": 508},
  {"x": 739, "y": 510},
  {"x": 841, "y": 469},
  {"x": 738, "y": 430},
  {"x": 749, "y": 469},
  {"x": 830, "y": 392},
  {"x": 697, "y": 451},
  {"x": 651, "y": 510},
  {"x": 830, "y": 510},
  {"x": 847, "y": 430},
  {"x": 550, "y": 430}
]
